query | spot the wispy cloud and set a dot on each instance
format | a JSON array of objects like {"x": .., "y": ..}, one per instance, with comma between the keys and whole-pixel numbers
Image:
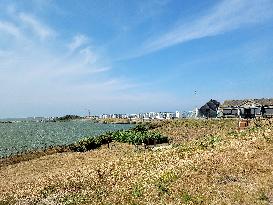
[
  {"x": 36, "y": 26},
  {"x": 9, "y": 28},
  {"x": 89, "y": 57},
  {"x": 52, "y": 70},
  {"x": 226, "y": 16},
  {"x": 78, "y": 41}
]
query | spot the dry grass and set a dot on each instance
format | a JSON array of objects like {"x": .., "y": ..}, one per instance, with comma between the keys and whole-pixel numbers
[
  {"x": 209, "y": 163},
  {"x": 29, "y": 155},
  {"x": 185, "y": 130}
]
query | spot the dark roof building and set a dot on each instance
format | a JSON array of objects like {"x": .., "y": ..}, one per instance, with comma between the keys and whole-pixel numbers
[
  {"x": 239, "y": 103},
  {"x": 248, "y": 108}
]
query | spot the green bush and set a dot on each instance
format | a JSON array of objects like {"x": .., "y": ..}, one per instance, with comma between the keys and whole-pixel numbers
[
  {"x": 138, "y": 135},
  {"x": 68, "y": 117}
]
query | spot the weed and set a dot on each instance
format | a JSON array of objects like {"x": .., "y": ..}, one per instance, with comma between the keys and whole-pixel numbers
[
  {"x": 168, "y": 177},
  {"x": 186, "y": 197},
  {"x": 163, "y": 189},
  {"x": 8, "y": 201},
  {"x": 137, "y": 191},
  {"x": 209, "y": 142},
  {"x": 48, "y": 191},
  {"x": 233, "y": 133},
  {"x": 74, "y": 186},
  {"x": 263, "y": 197},
  {"x": 164, "y": 181},
  {"x": 185, "y": 148},
  {"x": 75, "y": 199}
]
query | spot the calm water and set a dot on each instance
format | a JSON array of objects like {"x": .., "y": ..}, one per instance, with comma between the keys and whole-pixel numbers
[{"x": 22, "y": 136}]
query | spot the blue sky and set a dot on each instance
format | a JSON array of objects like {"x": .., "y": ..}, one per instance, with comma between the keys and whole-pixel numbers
[{"x": 124, "y": 56}]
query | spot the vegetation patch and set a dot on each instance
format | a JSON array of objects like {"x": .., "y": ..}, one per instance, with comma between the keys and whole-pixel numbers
[
  {"x": 68, "y": 117},
  {"x": 164, "y": 181},
  {"x": 47, "y": 191},
  {"x": 8, "y": 201},
  {"x": 76, "y": 198},
  {"x": 137, "y": 191},
  {"x": 186, "y": 197},
  {"x": 263, "y": 197},
  {"x": 136, "y": 136},
  {"x": 209, "y": 142}
]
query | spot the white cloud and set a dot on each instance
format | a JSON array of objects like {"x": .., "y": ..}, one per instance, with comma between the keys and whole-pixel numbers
[
  {"x": 89, "y": 57},
  {"x": 34, "y": 73},
  {"x": 36, "y": 26},
  {"x": 39, "y": 76},
  {"x": 78, "y": 41},
  {"x": 9, "y": 28},
  {"x": 226, "y": 16}
]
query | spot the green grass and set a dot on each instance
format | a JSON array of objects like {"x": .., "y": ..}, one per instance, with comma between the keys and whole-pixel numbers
[{"x": 137, "y": 191}]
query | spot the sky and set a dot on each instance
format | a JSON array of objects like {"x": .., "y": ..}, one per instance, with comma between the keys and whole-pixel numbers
[{"x": 125, "y": 56}]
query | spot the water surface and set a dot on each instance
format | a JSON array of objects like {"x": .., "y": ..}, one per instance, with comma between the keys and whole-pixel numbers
[{"x": 22, "y": 136}]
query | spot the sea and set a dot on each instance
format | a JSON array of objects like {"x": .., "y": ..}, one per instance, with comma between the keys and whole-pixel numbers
[{"x": 27, "y": 135}]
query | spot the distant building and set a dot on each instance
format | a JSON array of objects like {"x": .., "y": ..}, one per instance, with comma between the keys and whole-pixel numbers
[
  {"x": 249, "y": 108},
  {"x": 191, "y": 114},
  {"x": 177, "y": 114},
  {"x": 144, "y": 116},
  {"x": 133, "y": 116},
  {"x": 152, "y": 115},
  {"x": 196, "y": 113},
  {"x": 159, "y": 116},
  {"x": 104, "y": 116}
]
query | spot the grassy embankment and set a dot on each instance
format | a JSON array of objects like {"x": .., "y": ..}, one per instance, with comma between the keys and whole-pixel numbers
[{"x": 209, "y": 162}]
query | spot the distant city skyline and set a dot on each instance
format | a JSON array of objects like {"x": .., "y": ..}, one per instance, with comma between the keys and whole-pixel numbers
[{"x": 67, "y": 57}]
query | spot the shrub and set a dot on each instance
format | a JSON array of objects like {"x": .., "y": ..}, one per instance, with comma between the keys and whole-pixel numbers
[
  {"x": 68, "y": 117},
  {"x": 138, "y": 135},
  {"x": 86, "y": 144}
]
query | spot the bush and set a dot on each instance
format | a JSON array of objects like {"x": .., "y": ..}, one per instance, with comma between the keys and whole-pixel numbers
[
  {"x": 68, "y": 117},
  {"x": 138, "y": 135}
]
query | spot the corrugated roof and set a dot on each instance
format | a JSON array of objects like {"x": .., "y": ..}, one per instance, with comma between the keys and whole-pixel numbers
[{"x": 237, "y": 103}]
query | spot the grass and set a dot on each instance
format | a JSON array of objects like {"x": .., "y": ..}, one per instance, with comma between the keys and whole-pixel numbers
[
  {"x": 209, "y": 162},
  {"x": 8, "y": 201}
]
